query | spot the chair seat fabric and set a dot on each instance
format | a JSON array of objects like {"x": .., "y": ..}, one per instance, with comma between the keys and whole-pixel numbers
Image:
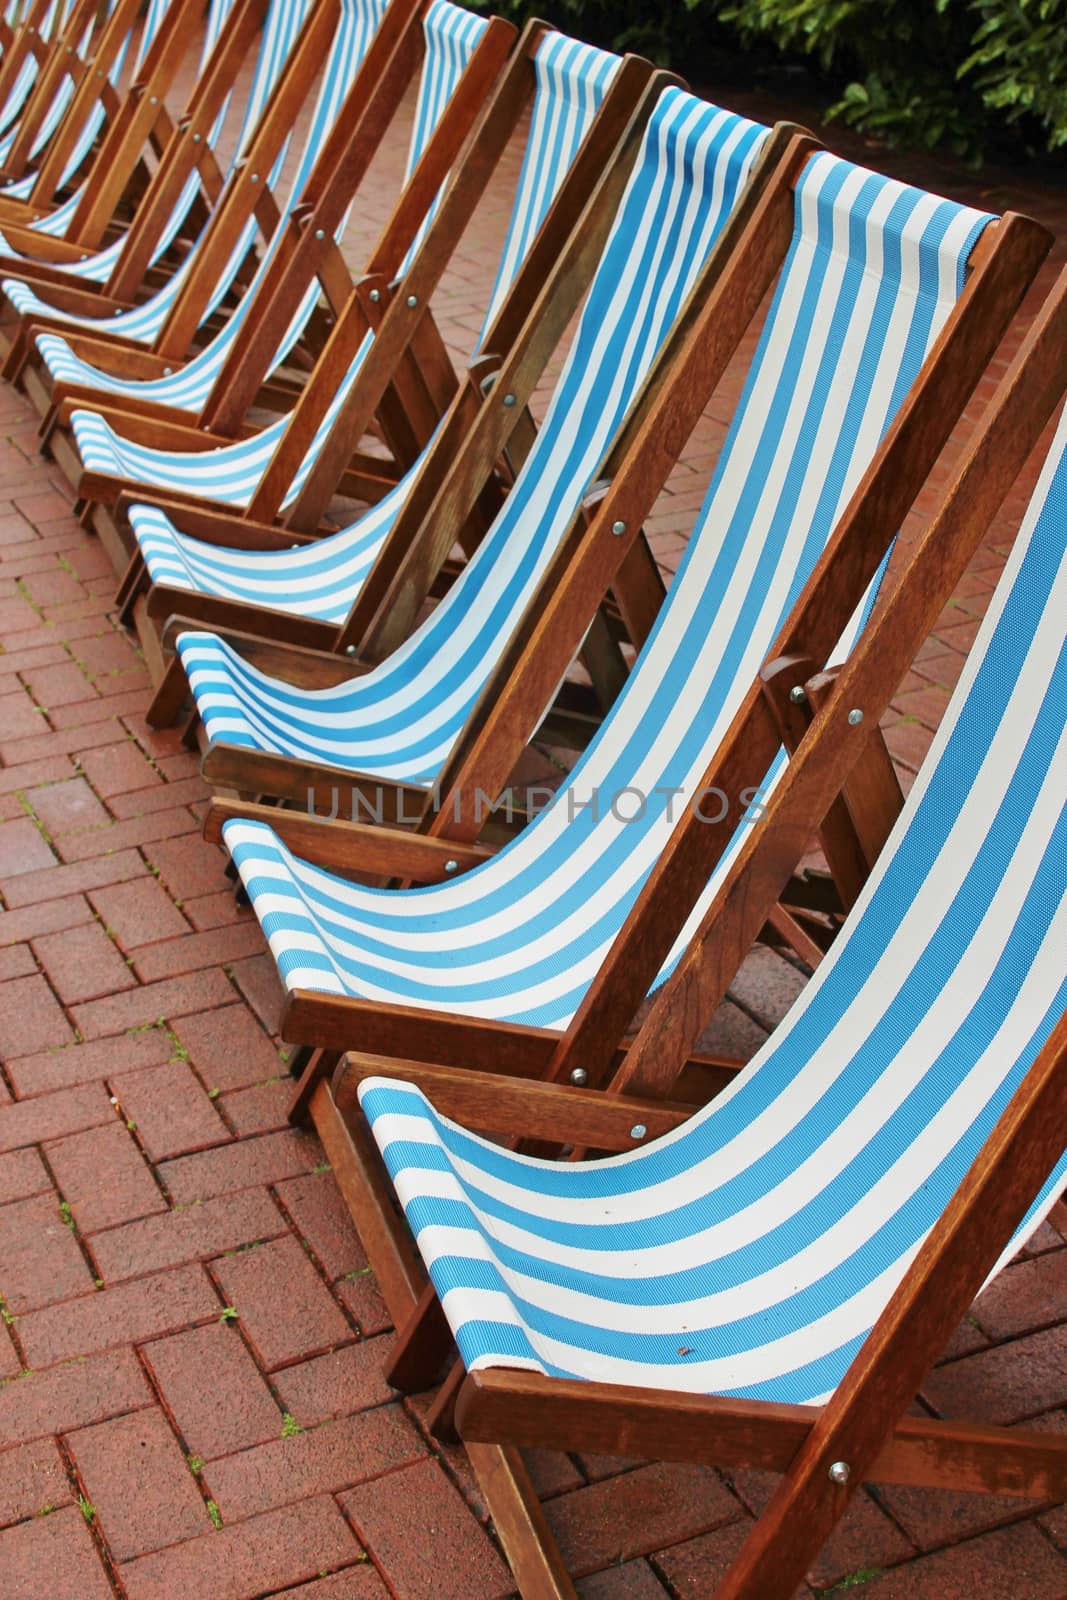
[{"x": 751, "y": 1251}]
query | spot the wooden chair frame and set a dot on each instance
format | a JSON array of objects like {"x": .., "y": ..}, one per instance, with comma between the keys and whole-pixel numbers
[
  {"x": 862, "y": 1433},
  {"x": 459, "y": 471},
  {"x": 427, "y": 389},
  {"x": 188, "y": 150}
]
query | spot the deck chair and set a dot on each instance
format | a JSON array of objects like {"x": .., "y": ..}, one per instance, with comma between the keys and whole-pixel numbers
[
  {"x": 539, "y": 957},
  {"x": 574, "y": 83},
  {"x": 524, "y": 327},
  {"x": 30, "y": 50},
  {"x": 461, "y": 55},
  {"x": 401, "y": 734},
  {"x": 113, "y": 164},
  {"x": 768, "y": 1284},
  {"x": 285, "y": 60}
]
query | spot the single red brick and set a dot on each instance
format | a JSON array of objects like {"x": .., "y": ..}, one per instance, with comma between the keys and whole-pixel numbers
[
  {"x": 44, "y": 506},
  {"x": 19, "y": 719},
  {"x": 189, "y": 866},
  {"x": 54, "y": 587},
  {"x": 314, "y": 1202},
  {"x": 354, "y": 1583},
  {"x": 89, "y": 560},
  {"x": 213, "y": 1390},
  {"x": 359, "y": 1293},
  {"x": 74, "y": 879},
  {"x": 16, "y": 961},
  {"x": 112, "y": 696},
  {"x": 123, "y": 1315},
  {"x": 197, "y": 950},
  {"x": 215, "y": 910},
  {"x": 50, "y": 1116},
  {"x": 239, "y": 1166},
  {"x": 59, "y": 1545},
  {"x": 104, "y": 1178},
  {"x": 137, "y": 1478},
  {"x": 22, "y": 848},
  {"x": 71, "y": 741},
  {"x": 71, "y": 1395},
  {"x": 1004, "y": 1565},
  {"x": 228, "y": 1048},
  {"x": 305, "y": 1321},
  {"x": 343, "y": 1381},
  {"x": 273, "y": 1551},
  {"x": 173, "y": 997},
  {"x": 107, "y": 652},
  {"x": 257, "y": 979},
  {"x": 335, "y": 1456},
  {"x": 119, "y": 768},
  {"x": 1026, "y": 1296},
  {"x": 638, "y": 1512},
  {"x": 177, "y": 768},
  {"x": 1004, "y": 1384},
  {"x": 16, "y": 615},
  {"x": 85, "y": 1063},
  {"x": 52, "y": 769},
  {"x": 141, "y": 802},
  {"x": 138, "y": 912},
  {"x": 22, "y": 1173},
  {"x": 68, "y": 807},
  {"x": 260, "y": 1109},
  {"x": 171, "y": 1109},
  {"x": 40, "y": 1255},
  {"x": 124, "y": 835},
  {"x": 391, "y": 1515},
  {"x": 82, "y": 963},
  {"x": 195, "y": 1233},
  {"x": 32, "y": 1476},
  {"x": 30, "y": 1018}
]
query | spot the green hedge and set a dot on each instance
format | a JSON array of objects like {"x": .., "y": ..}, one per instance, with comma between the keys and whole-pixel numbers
[{"x": 975, "y": 76}]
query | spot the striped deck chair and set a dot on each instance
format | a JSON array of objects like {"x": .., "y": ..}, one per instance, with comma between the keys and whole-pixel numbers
[
  {"x": 872, "y": 276},
  {"x": 137, "y": 120},
  {"x": 280, "y": 41},
  {"x": 451, "y": 37},
  {"x": 768, "y": 1284},
  {"x": 572, "y": 80},
  {"x": 689, "y": 167}
]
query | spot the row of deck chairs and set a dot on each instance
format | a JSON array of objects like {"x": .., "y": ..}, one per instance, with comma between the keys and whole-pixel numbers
[{"x": 368, "y": 585}]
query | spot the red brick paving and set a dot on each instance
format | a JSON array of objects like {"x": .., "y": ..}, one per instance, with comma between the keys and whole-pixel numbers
[{"x": 140, "y": 1090}]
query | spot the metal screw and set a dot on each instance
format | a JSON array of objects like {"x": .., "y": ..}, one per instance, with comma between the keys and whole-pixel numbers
[
  {"x": 797, "y": 695},
  {"x": 855, "y": 717},
  {"x": 255, "y": 177},
  {"x": 579, "y": 1076},
  {"x": 153, "y": 99},
  {"x": 320, "y": 233},
  {"x": 375, "y": 295},
  {"x": 196, "y": 138},
  {"x": 451, "y": 866},
  {"x": 167, "y": 371},
  {"x": 413, "y": 301},
  {"x": 618, "y": 528},
  {"x": 350, "y": 649},
  {"x": 840, "y": 1472},
  {"x": 638, "y": 1131},
  {"x": 509, "y": 400}
]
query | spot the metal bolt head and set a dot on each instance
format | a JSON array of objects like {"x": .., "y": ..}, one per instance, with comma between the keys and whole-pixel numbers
[
  {"x": 412, "y": 301},
  {"x": 167, "y": 371},
  {"x": 196, "y": 138},
  {"x": 797, "y": 695},
  {"x": 375, "y": 295},
  {"x": 618, "y": 528},
  {"x": 579, "y": 1076},
  {"x": 451, "y": 865},
  {"x": 509, "y": 400},
  {"x": 153, "y": 99},
  {"x": 840, "y": 1472},
  {"x": 855, "y": 717},
  {"x": 320, "y": 233},
  {"x": 638, "y": 1131},
  {"x": 255, "y": 177},
  {"x": 350, "y": 649}
]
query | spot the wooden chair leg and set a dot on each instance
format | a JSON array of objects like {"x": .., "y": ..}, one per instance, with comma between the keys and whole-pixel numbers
[
  {"x": 422, "y": 1346},
  {"x": 532, "y": 1552},
  {"x": 318, "y": 1065},
  {"x": 441, "y": 1417},
  {"x": 170, "y": 695}
]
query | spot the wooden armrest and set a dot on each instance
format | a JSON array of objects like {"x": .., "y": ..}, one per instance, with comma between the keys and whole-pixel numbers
[
  {"x": 523, "y": 1108},
  {"x": 377, "y": 850},
  {"x": 299, "y": 665}
]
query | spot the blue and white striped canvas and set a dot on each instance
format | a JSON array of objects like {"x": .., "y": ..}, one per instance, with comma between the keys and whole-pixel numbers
[
  {"x": 751, "y": 1251},
  {"x": 872, "y": 273},
  {"x": 231, "y": 474}
]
